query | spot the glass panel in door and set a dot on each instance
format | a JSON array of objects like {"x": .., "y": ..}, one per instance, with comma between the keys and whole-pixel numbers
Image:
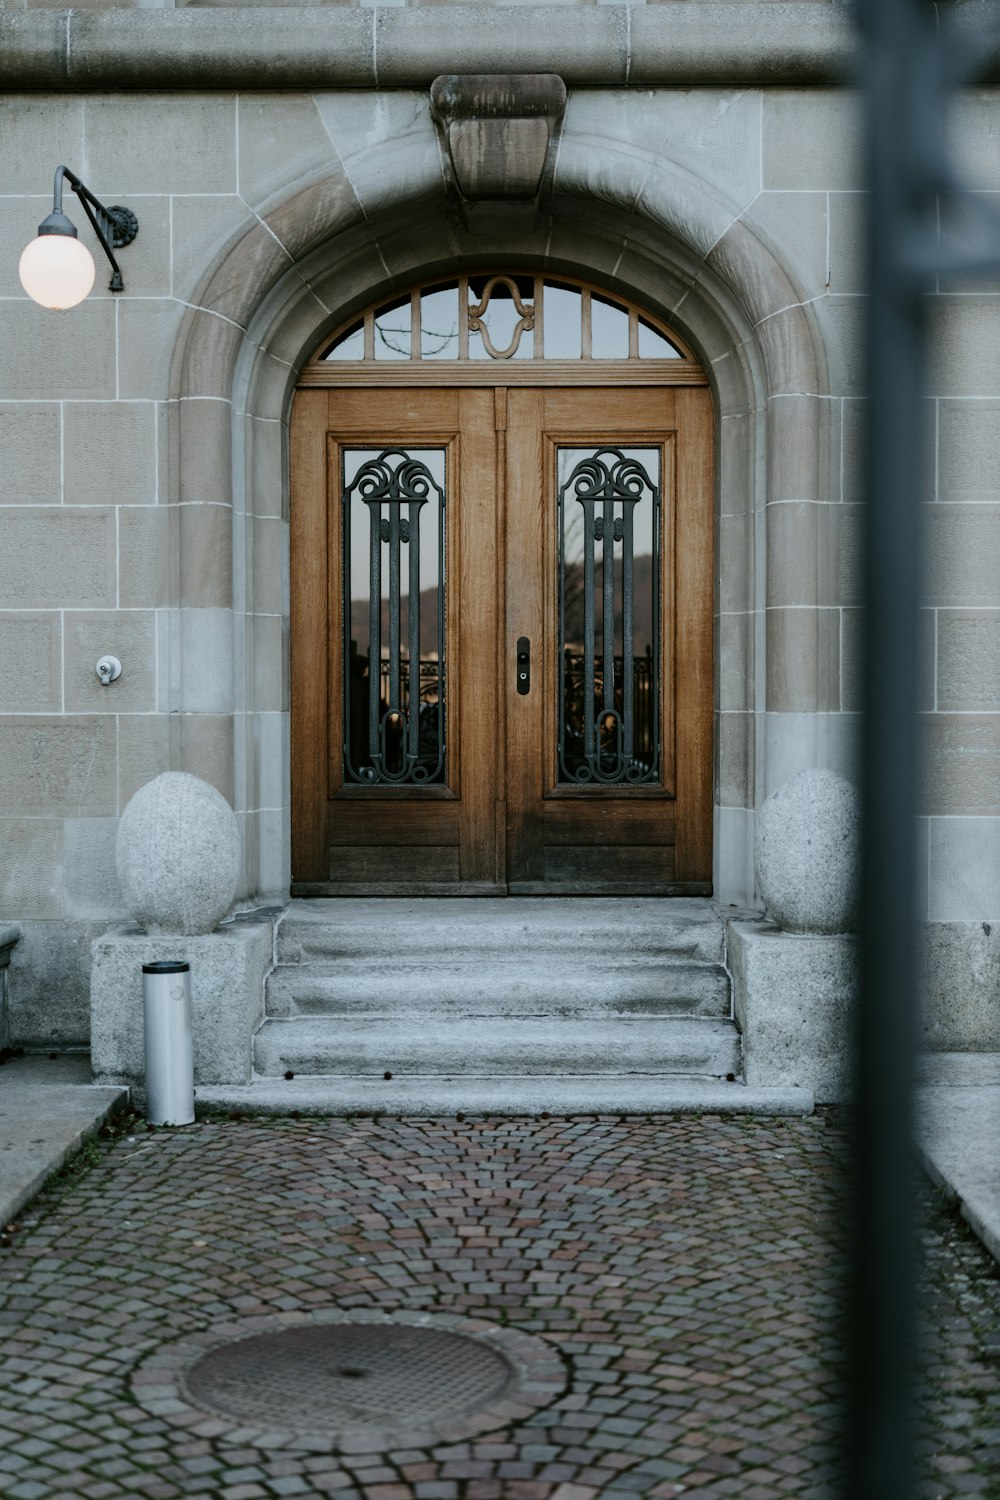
[
  {"x": 394, "y": 615},
  {"x": 609, "y": 613}
]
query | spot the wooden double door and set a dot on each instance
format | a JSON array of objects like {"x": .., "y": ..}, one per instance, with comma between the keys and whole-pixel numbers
[{"x": 501, "y": 657}]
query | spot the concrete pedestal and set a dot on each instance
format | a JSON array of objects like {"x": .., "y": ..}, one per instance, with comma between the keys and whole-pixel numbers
[
  {"x": 9, "y": 936},
  {"x": 793, "y": 995},
  {"x": 228, "y": 969}
]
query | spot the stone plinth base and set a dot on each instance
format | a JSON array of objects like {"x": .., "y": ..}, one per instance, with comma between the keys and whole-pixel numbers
[
  {"x": 9, "y": 936},
  {"x": 228, "y": 969},
  {"x": 793, "y": 995}
]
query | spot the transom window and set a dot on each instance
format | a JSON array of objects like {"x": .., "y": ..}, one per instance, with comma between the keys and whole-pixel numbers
[{"x": 502, "y": 320}]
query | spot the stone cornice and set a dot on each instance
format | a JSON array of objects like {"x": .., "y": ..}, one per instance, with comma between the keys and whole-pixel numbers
[{"x": 689, "y": 42}]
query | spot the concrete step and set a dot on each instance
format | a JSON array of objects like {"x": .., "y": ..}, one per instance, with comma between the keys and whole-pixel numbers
[
  {"x": 676, "y": 930},
  {"x": 548, "y": 984},
  {"x": 557, "y": 1095},
  {"x": 505, "y": 1047}
]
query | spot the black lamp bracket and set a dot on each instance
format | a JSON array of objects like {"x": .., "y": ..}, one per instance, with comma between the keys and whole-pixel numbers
[{"x": 115, "y": 226}]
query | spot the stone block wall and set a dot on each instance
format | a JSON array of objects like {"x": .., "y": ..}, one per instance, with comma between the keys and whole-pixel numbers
[{"x": 143, "y": 506}]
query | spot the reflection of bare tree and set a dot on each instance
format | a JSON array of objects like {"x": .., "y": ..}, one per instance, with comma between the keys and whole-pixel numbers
[
  {"x": 386, "y": 336},
  {"x": 573, "y": 572}
]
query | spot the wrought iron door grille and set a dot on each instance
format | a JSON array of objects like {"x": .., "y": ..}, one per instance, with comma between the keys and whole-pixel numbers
[
  {"x": 609, "y": 616},
  {"x": 394, "y": 557}
]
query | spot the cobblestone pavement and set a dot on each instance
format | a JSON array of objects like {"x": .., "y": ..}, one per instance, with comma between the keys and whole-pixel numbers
[{"x": 685, "y": 1268}]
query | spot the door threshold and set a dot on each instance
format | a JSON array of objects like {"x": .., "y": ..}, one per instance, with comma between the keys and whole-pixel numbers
[
  {"x": 304, "y": 889},
  {"x": 327, "y": 888},
  {"x": 609, "y": 888}
]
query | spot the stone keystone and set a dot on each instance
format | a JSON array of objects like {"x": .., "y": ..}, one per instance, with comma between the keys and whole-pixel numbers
[{"x": 497, "y": 127}]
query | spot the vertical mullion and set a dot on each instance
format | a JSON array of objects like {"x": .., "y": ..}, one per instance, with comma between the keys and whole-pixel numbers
[
  {"x": 608, "y": 601},
  {"x": 589, "y": 543},
  {"x": 345, "y": 610},
  {"x": 394, "y": 603},
  {"x": 628, "y": 632},
  {"x": 442, "y": 604},
  {"x": 633, "y": 334},
  {"x": 370, "y": 334},
  {"x": 585, "y": 325},
  {"x": 561, "y": 675},
  {"x": 374, "y": 628},
  {"x": 415, "y": 340},
  {"x": 539, "y": 305},
  {"x": 463, "y": 317},
  {"x": 658, "y": 654},
  {"x": 413, "y": 621}
]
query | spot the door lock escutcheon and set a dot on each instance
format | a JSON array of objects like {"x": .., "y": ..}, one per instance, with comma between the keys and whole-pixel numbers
[{"x": 523, "y": 664}]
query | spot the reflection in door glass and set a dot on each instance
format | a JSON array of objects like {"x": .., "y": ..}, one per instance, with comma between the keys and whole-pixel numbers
[
  {"x": 439, "y": 322},
  {"x": 350, "y": 345},
  {"x": 394, "y": 647},
  {"x": 609, "y": 614},
  {"x": 608, "y": 329},
  {"x": 393, "y": 338},
  {"x": 499, "y": 317},
  {"x": 563, "y": 321},
  {"x": 653, "y": 345}
]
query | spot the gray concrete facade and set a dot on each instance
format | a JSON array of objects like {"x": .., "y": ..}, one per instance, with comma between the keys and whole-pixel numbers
[{"x": 709, "y": 173}]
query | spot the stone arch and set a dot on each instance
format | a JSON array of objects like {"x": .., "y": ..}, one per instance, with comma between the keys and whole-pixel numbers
[{"x": 322, "y": 248}]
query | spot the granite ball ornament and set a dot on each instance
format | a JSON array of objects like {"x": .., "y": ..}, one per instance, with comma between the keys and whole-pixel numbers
[
  {"x": 807, "y": 853},
  {"x": 178, "y": 855}
]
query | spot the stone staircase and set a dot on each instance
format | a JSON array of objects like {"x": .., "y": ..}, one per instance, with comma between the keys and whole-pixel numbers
[{"x": 516, "y": 989}]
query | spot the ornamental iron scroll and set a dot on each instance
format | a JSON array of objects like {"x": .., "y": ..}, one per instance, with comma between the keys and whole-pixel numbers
[
  {"x": 610, "y": 693},
  {"x": 477, "y": 317},
  {"x": 394, "y": 723}
]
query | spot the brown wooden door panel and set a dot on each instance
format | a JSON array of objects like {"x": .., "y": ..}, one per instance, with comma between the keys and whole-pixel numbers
[
  {"x": 503, "y": 820},
  {"x": 365, "y": 820},
  {"x": 394, "y": 864},
  {"x": 477, "y": 582},
  {"x": 593, "y": 820},
  {"x": 694, "y": 649},
  {"x": 558, "y": 838},
  {"x": 410, "y": 413},
  {"x": 607, "y": 410},
  {"x": 527, "y": 548},
  {"x": 309, "y": 629},
  {"x": 385, "y": 837},
  {"x": 631, "y": 865}
]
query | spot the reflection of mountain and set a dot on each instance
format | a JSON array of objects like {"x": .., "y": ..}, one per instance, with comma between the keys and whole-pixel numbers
[
  {"x": 642, "y": 606},
  {"x": 428, "y": 623},
  {"x": 642, "y": 574}
]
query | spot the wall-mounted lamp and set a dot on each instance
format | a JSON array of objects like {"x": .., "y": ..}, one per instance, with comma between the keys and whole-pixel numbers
[{"x": 55, "y": 269}]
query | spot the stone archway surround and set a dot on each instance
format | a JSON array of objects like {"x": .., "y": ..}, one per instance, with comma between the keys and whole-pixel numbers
[{"x": 368, "y": 213}]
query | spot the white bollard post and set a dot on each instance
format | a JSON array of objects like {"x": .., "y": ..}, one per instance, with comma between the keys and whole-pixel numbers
[{"x": 166, "y": 999}]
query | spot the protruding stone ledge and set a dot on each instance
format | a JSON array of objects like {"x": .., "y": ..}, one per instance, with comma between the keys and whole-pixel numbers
[{"x": 775, "y": 42}]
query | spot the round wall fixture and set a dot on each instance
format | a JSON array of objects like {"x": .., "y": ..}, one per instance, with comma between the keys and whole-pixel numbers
[{"x": 363, "y": 1381}]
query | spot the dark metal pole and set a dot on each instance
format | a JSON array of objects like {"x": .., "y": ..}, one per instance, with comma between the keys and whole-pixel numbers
[
  {"x": 879, "y": 1454},
  {"x": 912, "y": 58}
]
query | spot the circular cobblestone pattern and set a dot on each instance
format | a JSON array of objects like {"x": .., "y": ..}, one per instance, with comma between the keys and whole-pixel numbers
[
  {"x": 688, "y": 1273},
  {"x": 361, "y": 1381}
]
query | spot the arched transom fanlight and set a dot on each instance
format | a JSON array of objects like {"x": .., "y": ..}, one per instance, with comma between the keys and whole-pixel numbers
[{"x": 502, "y": 318}]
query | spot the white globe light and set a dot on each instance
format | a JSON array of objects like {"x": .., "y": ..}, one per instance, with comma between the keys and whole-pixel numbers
[{"x": 57, "y": 271}]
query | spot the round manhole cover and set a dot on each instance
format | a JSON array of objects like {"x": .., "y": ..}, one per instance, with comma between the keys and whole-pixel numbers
[
  {"x": 321, "y": 1377},
  {"x": 358, "y": 1381}
]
